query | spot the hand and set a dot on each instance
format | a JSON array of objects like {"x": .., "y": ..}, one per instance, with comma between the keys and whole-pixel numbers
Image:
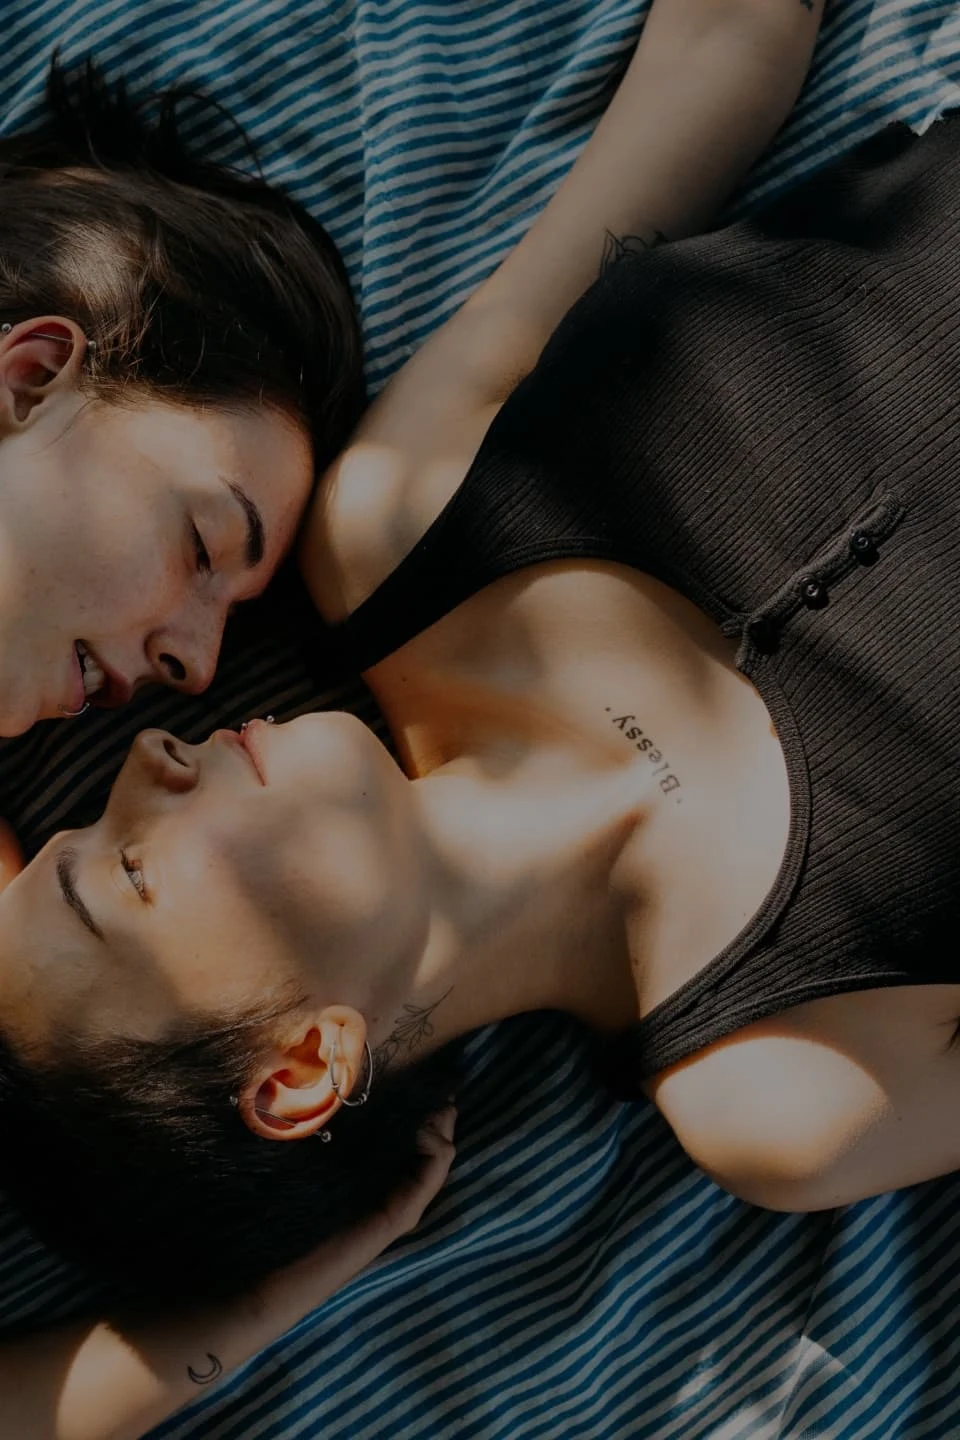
[
  {"x": 405, "y": 1207},
  {"x": 11, "y": 855},
  {"x": 285, "y": 1297}
]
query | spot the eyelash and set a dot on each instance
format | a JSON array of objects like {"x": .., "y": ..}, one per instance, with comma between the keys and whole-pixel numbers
[
  {"x": 204, "y": 565},
  {"x": 132, "y": 869}
]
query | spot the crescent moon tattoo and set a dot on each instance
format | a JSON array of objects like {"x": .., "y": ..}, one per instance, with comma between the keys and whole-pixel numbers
[{"x": 206, "y": 1377}]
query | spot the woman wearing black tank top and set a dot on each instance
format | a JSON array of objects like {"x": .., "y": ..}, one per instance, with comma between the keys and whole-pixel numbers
[{"x": 596, "y": 800}]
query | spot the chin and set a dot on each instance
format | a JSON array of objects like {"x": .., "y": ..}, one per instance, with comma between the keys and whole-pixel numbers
[
  {"x": 13, "y": 724},
  {"x": 333, "y": 744}
]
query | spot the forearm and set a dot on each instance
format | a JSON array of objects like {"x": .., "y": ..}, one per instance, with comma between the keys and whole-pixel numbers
[
  {"x": 115, "y": 1381},
  {"x": 709, "y": 86},
  {"x": 106, "y": 1382}
]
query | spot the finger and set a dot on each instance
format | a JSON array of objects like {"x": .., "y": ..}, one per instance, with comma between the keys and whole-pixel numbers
[
  {"x": 443, "y": 1120},
  {"x": 438, "y": 1127}
]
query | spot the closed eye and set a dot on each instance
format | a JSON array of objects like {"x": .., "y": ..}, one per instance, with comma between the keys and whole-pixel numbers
[{"x": 204, "y": 565}]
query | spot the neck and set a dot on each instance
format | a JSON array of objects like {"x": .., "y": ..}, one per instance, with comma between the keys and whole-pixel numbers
[{"x": 524, "y": 915}]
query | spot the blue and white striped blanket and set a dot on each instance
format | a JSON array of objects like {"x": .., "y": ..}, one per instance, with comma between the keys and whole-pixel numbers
[{"x": 577, "y": 1278}]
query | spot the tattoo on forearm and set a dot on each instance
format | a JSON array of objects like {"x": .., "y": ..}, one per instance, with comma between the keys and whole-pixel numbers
[
  {"x": 666, "y": 779},
  {"x": 410, "y": 1030},
  {"x": 206, "y": 1377}
]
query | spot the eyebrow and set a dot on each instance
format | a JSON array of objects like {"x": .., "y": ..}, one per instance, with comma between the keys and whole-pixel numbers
[
  {"x": 255, "y": 534},
  {"x": 66, "y": 874}
]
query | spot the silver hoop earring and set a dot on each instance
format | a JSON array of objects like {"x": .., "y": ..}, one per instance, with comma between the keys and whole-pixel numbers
[
  {"x": 352, "y": 1104},
  {"x": 72, "y": 714}
]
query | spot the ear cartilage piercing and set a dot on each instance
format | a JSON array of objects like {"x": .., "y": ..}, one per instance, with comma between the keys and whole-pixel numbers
[
  {"x": 335, "y": 1084},
  {"x": 275, "y": 1119},
  {"x": 323, "y": 1135}
]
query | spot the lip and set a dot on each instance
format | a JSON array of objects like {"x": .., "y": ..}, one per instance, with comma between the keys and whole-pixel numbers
[
  {"x": 77, "y": 698},
  {"x": 239, "y": 742},
  {"x": 248, "y": 739}
]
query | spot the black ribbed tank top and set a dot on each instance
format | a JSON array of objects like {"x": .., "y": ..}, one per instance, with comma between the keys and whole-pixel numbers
[{"x": 767, "y": 418}]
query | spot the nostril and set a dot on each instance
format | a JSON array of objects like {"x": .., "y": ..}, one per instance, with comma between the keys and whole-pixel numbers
[
  {"x": 173, "y": 667},
  {"x": 171, "y": 749}
]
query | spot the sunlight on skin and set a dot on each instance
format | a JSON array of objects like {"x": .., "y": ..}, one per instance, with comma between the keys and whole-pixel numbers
[{"x": 11, "y": 856}]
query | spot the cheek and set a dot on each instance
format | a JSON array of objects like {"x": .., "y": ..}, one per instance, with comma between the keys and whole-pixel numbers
[
  {"x": 96, "y": 538},
  {"x": 122, "y": 571},
  {"x": 218, "y": 942},
  {"x": 320, "y": 877}
]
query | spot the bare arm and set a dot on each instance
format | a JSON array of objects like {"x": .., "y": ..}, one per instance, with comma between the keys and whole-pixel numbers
[
  {"x": 710, "y": 84},
  {"x": 109, "y": 1382}
]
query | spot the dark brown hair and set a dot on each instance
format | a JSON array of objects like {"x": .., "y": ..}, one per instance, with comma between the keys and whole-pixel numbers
[
  {"x": 128, "y": 1157},
  {"x": 198, "y": 283}
]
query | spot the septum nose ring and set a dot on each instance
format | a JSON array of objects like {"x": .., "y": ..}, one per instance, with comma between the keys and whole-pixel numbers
[{"x": 72, "y": 714}]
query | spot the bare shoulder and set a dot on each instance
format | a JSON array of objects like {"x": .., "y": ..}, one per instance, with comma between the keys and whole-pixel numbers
[
  {"x": 407, "y": 459},
  {"x": 830, "y": 1102}
]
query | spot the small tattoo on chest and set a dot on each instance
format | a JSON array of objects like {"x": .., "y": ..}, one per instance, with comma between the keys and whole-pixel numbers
[{"x": 669, "y": 783}]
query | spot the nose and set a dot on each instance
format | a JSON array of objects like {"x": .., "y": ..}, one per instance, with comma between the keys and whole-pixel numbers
[
  {"x": 164, "y": 761},
  {"x": 185, "y": 656}
]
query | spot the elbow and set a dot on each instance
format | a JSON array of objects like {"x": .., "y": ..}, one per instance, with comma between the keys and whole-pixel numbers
[
  {"x": 770, "y": 1189},
  {"x": 770, "y": 1171}
]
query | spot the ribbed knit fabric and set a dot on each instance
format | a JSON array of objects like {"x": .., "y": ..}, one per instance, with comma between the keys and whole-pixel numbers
[{"x": 767, "y": 418}]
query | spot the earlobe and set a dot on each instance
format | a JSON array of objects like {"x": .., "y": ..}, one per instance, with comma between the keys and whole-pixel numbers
[{"x": 37, "y": 358}]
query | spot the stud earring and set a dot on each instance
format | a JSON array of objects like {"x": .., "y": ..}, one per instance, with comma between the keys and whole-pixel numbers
[{"x": 267, "y": 720}]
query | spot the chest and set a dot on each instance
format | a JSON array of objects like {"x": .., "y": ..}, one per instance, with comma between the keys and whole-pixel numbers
[{"x": 616, "y": 671}]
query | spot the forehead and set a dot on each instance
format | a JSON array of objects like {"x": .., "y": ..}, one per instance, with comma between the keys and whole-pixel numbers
[
  {"x": 52, "y": 971},
  {"x": 145, "y": 439},
  {"x": 56, "y": 975},
  {"x": 201, "y": 948}
]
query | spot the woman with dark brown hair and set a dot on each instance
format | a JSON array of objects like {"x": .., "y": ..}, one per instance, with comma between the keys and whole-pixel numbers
[{"x": 179, "y": 354}]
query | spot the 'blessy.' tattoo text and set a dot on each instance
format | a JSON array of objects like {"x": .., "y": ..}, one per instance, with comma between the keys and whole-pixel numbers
[{"x": 666, "y": 779}]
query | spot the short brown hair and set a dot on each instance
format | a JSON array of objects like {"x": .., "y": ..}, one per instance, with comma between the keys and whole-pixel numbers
[{"x": 198, "y": 283}]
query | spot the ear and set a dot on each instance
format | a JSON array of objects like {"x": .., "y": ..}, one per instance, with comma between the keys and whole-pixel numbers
[
  {"x": 292, "y": 1095},
  {"x": 37, "y": 359}
]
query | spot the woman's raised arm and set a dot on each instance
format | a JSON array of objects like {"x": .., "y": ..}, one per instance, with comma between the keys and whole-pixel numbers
[
  {"x": 710, "y": 84},
  {"x": 708, "y": 87}
]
